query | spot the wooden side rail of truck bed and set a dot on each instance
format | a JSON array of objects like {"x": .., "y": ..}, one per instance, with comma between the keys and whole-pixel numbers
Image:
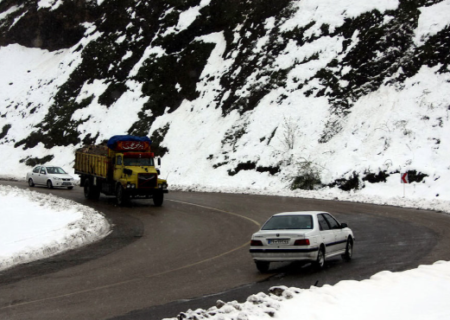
[{"x": 92, "y": 164}]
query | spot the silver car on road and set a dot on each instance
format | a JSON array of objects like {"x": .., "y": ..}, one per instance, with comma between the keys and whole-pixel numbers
[
  {"x": 301, "y": 236},
  {"x": 50, "y": 176}
]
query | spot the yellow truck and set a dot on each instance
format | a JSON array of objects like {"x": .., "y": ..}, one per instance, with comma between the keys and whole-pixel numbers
[{"x": 124, "y": 167}]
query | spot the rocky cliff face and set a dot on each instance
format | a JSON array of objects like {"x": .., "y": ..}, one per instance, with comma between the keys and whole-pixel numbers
[{"x": 284, "y": 87}]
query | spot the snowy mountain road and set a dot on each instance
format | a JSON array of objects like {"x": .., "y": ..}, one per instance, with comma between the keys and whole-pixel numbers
[{"x": 193, "y": 250}]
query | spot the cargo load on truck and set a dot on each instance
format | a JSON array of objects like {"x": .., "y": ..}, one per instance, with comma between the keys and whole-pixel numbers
[{"x": 123, "y": 167}]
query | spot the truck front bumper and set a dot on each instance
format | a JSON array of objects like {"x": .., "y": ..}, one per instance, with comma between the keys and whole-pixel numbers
[{"x": 144, "y": 192}]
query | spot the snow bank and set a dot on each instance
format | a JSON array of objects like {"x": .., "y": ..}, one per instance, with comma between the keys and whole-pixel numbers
[
  {"x": 420, "y": 293},
  {"x": 34, "y": 226},
  {"x": 336, "y": 194}
]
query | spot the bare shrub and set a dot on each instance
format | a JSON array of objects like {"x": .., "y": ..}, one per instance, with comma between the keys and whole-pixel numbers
[
  {"x": 307, "y": 176},
  {"x": 291, "y": 132}
]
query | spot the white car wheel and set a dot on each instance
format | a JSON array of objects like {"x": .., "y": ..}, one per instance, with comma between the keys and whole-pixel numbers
[
  {"x": 347, "y": 256},
  {"x": 320, "y": 262},
  {"x": 262, "y": 266}
]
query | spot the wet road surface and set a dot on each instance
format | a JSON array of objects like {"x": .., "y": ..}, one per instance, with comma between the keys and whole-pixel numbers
[{"x": 193, "y": 250}]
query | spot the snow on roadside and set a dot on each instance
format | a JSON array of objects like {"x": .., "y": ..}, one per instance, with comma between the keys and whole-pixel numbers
[
  {"x": 34, "y": 226},
  {"x": 420, "y": 293},
  {"x": 328, "y": 193}
]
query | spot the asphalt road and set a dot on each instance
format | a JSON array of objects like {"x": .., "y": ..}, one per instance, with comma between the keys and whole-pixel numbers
[{"x": 193, "y": 251}]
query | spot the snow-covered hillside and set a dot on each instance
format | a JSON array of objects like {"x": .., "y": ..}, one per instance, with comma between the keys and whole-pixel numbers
[{"x": 255, "y": 96}]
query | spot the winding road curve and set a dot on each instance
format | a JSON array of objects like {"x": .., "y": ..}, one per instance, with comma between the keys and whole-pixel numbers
[{"x": 194, "y": 250}]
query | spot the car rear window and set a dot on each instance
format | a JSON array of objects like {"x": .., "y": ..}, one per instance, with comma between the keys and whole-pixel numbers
[{"x": 289, "y": 222}]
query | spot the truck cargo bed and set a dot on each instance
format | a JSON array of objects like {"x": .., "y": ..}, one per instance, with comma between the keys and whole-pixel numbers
[
  {"x": 101, "y": 150},
  {"x": 92, "y": 164}
]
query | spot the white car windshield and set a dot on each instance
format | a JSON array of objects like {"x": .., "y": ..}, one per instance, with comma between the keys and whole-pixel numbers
[
  {"x": 289, "y": 222},
  {"x": 55, "y": 170}
]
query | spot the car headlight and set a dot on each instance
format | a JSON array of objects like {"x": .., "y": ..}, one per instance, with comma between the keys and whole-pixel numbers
[{"x": 59, "y": 179}]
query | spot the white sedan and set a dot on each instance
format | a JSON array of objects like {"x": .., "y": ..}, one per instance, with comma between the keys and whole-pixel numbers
[
  {"x": 301, "y": 236},
  {"x": 51, "y": 177}
]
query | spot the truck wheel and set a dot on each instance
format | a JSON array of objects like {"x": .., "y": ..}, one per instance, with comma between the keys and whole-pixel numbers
[
  {"x": 121, "y": 196},
  {"x": 158, "y": 199},
  {"x": 91, "y": 192},
  {"x": 87, "y": 189},
  {"x": 95, "y": 192}
]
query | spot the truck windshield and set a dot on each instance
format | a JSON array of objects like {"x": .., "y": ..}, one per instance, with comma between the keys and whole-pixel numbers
[{"x": 139, "y": 162}]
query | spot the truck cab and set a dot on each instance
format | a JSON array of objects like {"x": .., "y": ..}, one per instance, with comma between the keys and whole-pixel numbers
[{"x": 136, "y": 171}]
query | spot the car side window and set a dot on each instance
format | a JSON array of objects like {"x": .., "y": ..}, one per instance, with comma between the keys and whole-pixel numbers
[
  {"x": 36, "y": 170},
  {"x": 323, "y": 224},
  {"x": 43, "y": 171},
  {"x": 332, "y": 222},
  {"x": 119, "y": 160}
]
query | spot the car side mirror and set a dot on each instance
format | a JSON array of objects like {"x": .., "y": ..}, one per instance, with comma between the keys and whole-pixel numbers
[{"x": 344, "y": 225}]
